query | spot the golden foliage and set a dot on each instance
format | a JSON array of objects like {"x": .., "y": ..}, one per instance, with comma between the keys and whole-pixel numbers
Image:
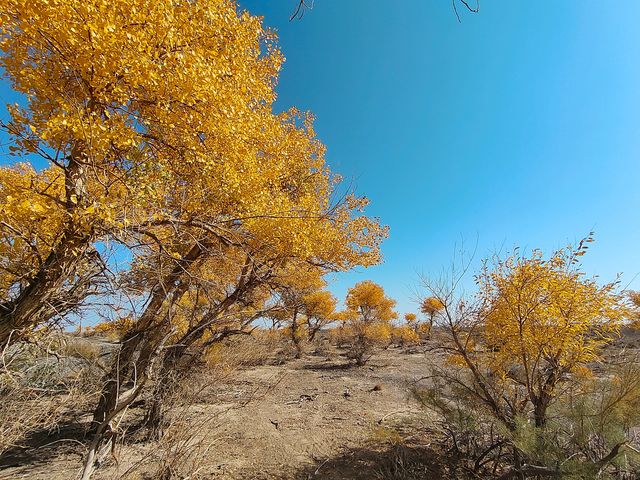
[
  {"x": 537, "y": 323},
  {"x": 368, "y": 302},
  {"x": 404, "y": 335},
  {"x": 30, "y": 221},
  {"x": 157, "y": 117},
  {"x": 542, "y": 313},
  {"x": 431, "y": 306},
  {"x": 410, "y": 318},
  {"x": 367, "y": 319},
  {"x": 116, "y": 328}
]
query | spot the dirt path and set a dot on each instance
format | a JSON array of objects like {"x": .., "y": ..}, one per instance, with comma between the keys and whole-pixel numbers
[{"x": 316, "y": 411}]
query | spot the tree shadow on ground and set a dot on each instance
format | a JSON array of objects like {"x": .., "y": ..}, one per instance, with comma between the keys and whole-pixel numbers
[
  {"x": 44, "y": 444},
  {"x": 329, "y": 366},
  {"x": 381, "y": 462}
]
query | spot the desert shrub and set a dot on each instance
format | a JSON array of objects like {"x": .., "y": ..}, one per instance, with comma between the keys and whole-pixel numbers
[
  {"x": 322, "y": 344},
  {"x": 589, "y": 433},
  {"x": 337, "y": 335},
  {"x": 361, "y": 339},
  {"x": 79, "y": 348},
  {"x": 424, "y": 331},
  {"x": 297, "y": 340},
  {"x": 467, "y": 429}
]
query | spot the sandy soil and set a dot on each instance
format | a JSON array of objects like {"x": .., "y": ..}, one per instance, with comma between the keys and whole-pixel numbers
[{"x": 316, "y": 417}]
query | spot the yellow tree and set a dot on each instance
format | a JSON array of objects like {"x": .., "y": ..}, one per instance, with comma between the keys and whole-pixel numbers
[
  {"x": 369, "y": 312},
  {"x": 523, "y": 344},
  {"x": 293, "y": 285},
  {"x": 535, "y": 323},
  {"x": 156, "y": 121},
  {"x": 546, "y": 319},
  {"x": 302, "y": 304},
  {"x": 153, "y": 115},
  {"x": 411, "y": 319},
  {"x": 118, "y": 95},
  {"x": 431, "y": 307},
  {"x": 320, "y": 311}
]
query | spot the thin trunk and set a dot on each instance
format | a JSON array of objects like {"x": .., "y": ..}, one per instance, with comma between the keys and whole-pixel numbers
[
  {"x": 313, "y": 331},
  {"x": 295, "y": 335},
  {"x": 167, "y": 381}
]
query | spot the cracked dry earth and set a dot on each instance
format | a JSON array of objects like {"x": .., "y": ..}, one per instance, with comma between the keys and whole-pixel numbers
[{"x": 312, "y": 418}]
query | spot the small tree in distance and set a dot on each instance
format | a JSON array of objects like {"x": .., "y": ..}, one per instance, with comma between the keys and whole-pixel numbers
[
  {"x": 320, "y": 311},
  {"x": 431, "y": 307},
  {"x": 412, "y": 320},
  {"x": 407, "y": 333},
  {"x": 369, "y": 313}
]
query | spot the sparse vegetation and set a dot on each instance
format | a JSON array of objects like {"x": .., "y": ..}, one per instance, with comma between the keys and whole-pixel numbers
[{"x": 169, "y": 235}]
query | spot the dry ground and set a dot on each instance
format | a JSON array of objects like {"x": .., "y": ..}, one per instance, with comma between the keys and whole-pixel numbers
[
  {"x": 313, "y": 418},
  {"x": 317, "y": 417}
]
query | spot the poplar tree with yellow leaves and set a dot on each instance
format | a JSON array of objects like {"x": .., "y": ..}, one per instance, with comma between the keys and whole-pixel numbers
[
  {"x": 292, "y": 288},
  {"x": 303, "y": 306},
  {"x": 320, "y": 311},
  {"x": 157, "y": 125},
  {"x": 369, "y": 313},
  {"x": 148, "y": 115},
  {"x": 431, "y": 307},
  {"x": 534, "y": 329}
]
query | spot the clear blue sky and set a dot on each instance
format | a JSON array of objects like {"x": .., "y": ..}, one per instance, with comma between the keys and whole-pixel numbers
[
  {"x": 518, "y": 126},
  {"x": 521, "y": 125}
]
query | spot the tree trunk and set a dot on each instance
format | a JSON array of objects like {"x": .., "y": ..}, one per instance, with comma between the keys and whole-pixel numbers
[
  {"x": 166, "y": 383},
  {"x": 36, "y": 303},
  {"x": 295, "y": 336},
  {"x": 140, "y": 345},
  {"x": 540, "y": 411}
]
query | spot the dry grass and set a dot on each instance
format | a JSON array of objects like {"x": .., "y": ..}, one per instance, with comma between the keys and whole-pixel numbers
[
  {"x": 42, "y": 386},
  {"x": 181, "y": 453},
  {"x": 79, "y": 348},
  {"x": 263, "y": 347}
]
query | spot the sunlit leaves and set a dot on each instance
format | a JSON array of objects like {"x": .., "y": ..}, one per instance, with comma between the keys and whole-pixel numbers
[{"x": 158, "y": 117}]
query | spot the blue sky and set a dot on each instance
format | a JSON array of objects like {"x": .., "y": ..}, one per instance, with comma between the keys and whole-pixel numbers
[{"x": 519, "y": 125}]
